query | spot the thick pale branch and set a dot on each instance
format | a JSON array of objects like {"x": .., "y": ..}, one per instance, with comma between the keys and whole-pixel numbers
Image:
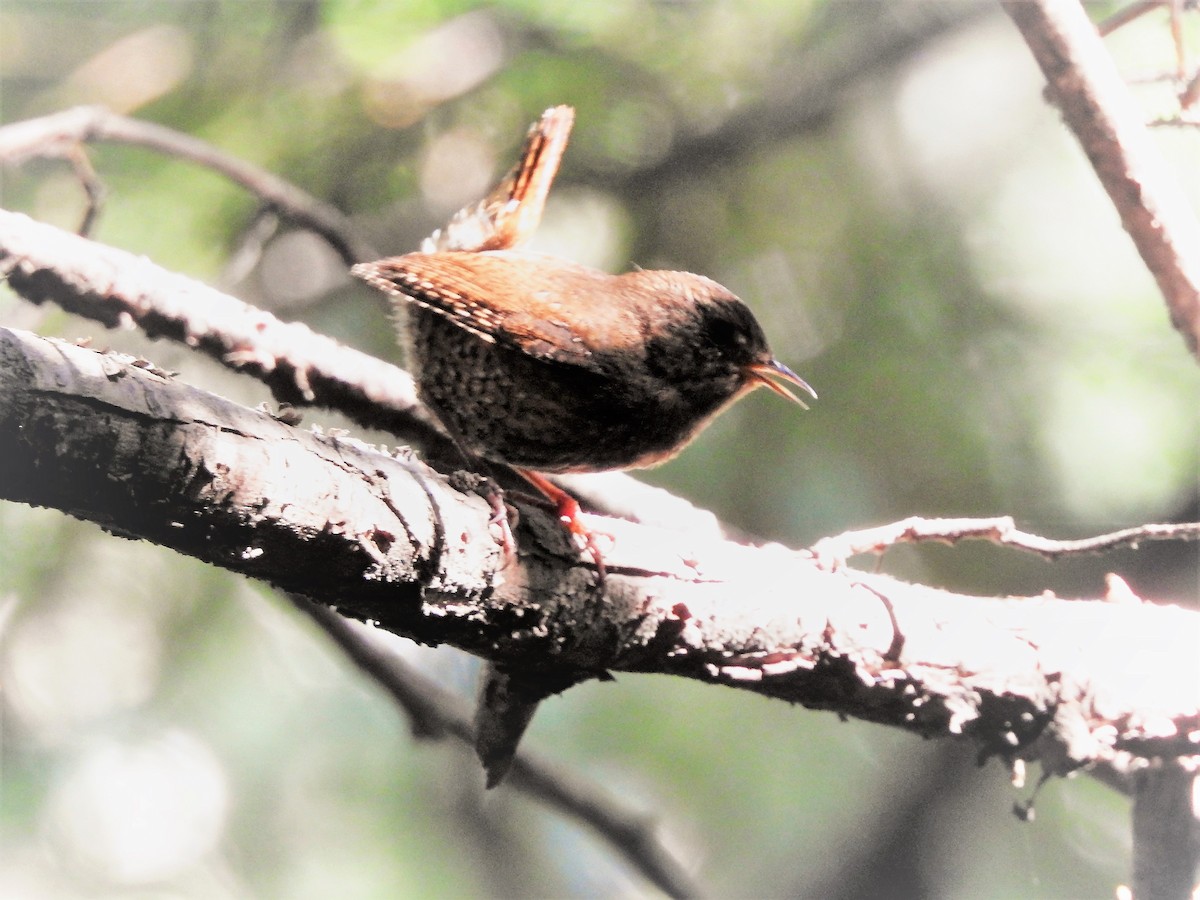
[
  {"x": 387, "y": 539},
  {"x": 116, "y": 288}
]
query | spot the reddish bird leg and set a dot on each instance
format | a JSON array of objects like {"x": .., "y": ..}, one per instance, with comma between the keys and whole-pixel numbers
[{"x": 567, "y": 508}]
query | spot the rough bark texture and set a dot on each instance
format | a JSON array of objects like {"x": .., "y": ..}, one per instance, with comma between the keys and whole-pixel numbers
[
  {"x": 385, "y": 538},
  {"x": 119, "y": 289}
]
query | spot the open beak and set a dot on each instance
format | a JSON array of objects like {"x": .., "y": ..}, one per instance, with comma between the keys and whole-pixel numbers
[{"x": 767, "y": 373}]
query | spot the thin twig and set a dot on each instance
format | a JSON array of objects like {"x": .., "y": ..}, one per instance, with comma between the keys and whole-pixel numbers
[
  {"x": 1125, "y": 15},
  {"x": 57, "y": 134},
  {"x": 1190, "y": 93},
  {"x": 248, "y": 251},
  {"x": 999, "y": 530},
  {"x": 1186, "y": 119},
  {"x": 437, "y": 713},
  {"x": 1181, "y": 60},
  {"x": 93, "y": 189}
]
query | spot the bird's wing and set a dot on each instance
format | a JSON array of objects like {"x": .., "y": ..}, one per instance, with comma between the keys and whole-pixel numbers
[{"x": 515, "y": 299}]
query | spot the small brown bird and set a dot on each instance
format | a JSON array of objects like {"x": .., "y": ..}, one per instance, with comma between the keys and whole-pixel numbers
[{"x": 551, "y": 366}]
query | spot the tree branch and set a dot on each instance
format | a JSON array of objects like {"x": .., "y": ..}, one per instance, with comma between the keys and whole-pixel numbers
[
  {"x": 61, "y": 134},
  {"x": 999, "y": 530},
  {"x": 118, "y": 289},
  {"x": 1096, "y": 105},
  {"x": 389, "y": 540}
]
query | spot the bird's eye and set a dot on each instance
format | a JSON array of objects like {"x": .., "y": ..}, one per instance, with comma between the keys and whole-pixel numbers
[{"x": 725, "y": 335}]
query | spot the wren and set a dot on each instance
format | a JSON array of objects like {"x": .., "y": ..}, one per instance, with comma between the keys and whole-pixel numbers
[{"x": 550, "y": 366}]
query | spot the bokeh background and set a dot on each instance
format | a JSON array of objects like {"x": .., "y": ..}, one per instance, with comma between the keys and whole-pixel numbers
[{"x": 881, "y": 181}]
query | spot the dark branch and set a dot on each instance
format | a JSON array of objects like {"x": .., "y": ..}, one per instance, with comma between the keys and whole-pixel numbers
[
  {"x": 1166, "y": 832},
  {"x": 437, "y": 713}
]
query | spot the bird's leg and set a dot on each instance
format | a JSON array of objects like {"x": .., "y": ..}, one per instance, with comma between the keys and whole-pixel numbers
[{"x": 569, "y": 513}]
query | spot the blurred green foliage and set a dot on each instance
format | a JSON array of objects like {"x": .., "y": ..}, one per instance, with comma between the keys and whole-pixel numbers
[{"x": 884, "y": 186}]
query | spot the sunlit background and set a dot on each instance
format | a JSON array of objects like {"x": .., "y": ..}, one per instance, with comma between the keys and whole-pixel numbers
[{"x": 881, "y": 182}]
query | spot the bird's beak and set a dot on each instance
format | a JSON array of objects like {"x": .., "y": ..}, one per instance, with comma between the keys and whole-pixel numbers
[{"x": 767, "y": 373}]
